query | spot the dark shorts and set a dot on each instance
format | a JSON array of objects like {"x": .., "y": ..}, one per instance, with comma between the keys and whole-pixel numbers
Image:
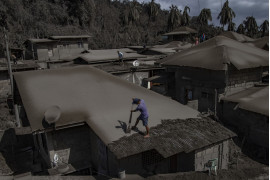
[{"x": 144, "y": 120}]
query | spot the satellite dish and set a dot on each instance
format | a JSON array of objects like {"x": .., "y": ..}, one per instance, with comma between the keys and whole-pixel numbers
[
  {"x": 136, "y": 63},
  {"x": 52, "y": 114}
]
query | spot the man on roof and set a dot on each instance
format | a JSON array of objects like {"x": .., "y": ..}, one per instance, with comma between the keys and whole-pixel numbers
[{"x": 143, "y": 116}]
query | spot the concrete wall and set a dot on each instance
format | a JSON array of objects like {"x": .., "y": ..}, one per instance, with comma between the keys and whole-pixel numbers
[
  {"x": 220, "y": 151},
  {"x": 201, "y": 82},
  {"x": 207, "y": 85},
  {"x": 254, "y": 126}
]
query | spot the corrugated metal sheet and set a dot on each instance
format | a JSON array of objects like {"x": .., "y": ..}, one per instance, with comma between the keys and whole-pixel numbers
[{"x": 172, "y": 137}]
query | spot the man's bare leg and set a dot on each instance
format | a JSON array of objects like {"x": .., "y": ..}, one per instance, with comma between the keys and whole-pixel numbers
[{"x": 147, "y": 132}]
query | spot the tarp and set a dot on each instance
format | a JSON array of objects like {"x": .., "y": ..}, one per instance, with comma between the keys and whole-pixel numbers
[
  {"x": 216, "y": 52},
  {"x": 255, "y": 99},
  {"x": 86, "y": 94}
]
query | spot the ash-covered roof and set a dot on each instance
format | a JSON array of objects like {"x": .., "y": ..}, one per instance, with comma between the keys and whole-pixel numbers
[
  {"x": 106, "y": 55},
  {"x": 262, "y": 43},
  {"x": 70, "y": 37},
  {"x": 237, "y": 36},
  {"x": 255, "y": 99},
  {"x": 181, "y": 30},
  {"x": 216, "y": 52},
  {"x": 41, "y": 40},
  {"x": 173, "y": 137},
  {"x": 87, "y": 94}
]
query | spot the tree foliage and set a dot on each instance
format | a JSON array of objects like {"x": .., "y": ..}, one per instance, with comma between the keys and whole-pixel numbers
[
  {"x": 241, "y": 29},
  {"x": 204, "y": 17},
  {"x": 174, "y": 19},
  {"x": 186, "y": 17},
  {"x": 264, "y": 27},
  {"x": 226, "y": 15},
  {"x": 251, "y": 26}
]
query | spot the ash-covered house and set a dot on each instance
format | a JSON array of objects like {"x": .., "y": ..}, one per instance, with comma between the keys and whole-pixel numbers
[
  {"x": 248, "y": 113},
  {"x": 237, "y": 37},
  {"x": 95, "y": 109},
  {"x": 181, "y": 34},
  {"x": 55, "y": 47},
  {"x": 219, "y": 66}
]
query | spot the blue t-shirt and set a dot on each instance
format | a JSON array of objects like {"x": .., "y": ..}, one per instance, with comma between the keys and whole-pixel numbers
[{"x": 142, "y": 108}]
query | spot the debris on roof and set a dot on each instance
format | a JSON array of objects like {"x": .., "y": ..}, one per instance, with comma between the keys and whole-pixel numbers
[
  {"x": 87, "y": 94},
  {"x": 254, "y": 99},
  {"x": 216, "y": 52},
  {"x": 172, "y": 137}
]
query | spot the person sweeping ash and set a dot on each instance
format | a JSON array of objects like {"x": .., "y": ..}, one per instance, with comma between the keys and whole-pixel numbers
[{"x": 143, "y": 116}]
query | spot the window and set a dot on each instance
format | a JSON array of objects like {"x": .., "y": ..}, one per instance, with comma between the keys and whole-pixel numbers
[
  {"x": 151, "y": 157},
  {"x": 79, "y": 44}
]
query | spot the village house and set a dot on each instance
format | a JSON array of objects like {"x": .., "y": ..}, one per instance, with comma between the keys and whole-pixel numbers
[
  {"x": 248, "y": 113},
  {"x": 237, "y": 37},
  {"x": 199, "y": 75},
  {"x": 79, "y": 116},
  {"x": 55, "y": 47},
  {"x": 181, "y": 34}
]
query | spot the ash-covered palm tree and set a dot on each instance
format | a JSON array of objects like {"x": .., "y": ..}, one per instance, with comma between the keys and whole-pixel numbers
[
  {"x": 251, "y": 26},
  {"x": 226, "y": 15},
  {"x": 174, "y": 19},
  {"x": 186, "y": 17},
  {"x": 3, "y": 20},
  {"x": 231, "y": 26},
  {"x": 241, "y": 29},
  {"x": 134, "y": 11},
  {"x": 153, "y": 9},
  {"x": 264, "y": 27},
  {"x": 204, "y": 17}
]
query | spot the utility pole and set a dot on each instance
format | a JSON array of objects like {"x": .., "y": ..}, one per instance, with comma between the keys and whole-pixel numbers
[{"x": 8, "y": 62}]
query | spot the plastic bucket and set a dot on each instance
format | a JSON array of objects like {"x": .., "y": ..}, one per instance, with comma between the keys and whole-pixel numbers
[{"x": 122, "y": 174}]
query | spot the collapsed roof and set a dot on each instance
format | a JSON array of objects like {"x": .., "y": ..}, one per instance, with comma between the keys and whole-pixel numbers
[
  {"x": 173, "y": 137},
  {"x": 216, "y": 52},
  {"x": 86, "y": 94},
  {"x": 237, "y": 36},
  {"x": 262, "y": 43},
  {"x": 181, "y": 30},
  {"x": 255, "y": 99}
]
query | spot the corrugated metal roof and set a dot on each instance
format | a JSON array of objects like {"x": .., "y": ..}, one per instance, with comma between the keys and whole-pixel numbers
[
  {"x": 173, "y": 137},
  {"x": 255, "y": 99},
  {"x": 86, "y": 94},
  {"x": 70, "y": 37},
  {"x": 215, "y": 53}
]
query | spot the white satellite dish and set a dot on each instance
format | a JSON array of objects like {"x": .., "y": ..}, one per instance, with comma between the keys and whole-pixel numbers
[
  {"x": 52, "y": 114},
  {"x": 136, "y": 63}
]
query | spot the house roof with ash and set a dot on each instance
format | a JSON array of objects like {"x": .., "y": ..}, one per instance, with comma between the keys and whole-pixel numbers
[
  {"x": 172, "y": 137},
  {"x": 237, "y": 36},
  {"x": 262, "y": 43},
  {"x": 70, "y": 37},
  {"x": 181, "y": 30},
  {"x": 19, "y": 66},
  {"x": 254, "y": 99},
  {"x": 109, "y": 55},
  {"x": 41, "y": 40},
  {"x": 87, "y": 94},
  {"x": 216, "y": 52}
]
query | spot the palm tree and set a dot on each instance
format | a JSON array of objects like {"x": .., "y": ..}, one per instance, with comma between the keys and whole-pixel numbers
[
  {"x": 204, "y": 17},
  {"x": 153, "y": 9},
  {"x": 231, "y": 26},
  {"x": 186, "y": 16},
  {"x": 241, "y": 29},
  {"x": 226, "y": 14},
  {"x": 134, "y": 11},
  {"x": 174, "y": 19},
  {"x": 251, "y": 26},
  {"x": 264, "y": 27}
]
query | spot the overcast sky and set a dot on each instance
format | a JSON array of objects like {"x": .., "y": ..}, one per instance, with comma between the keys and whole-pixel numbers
[{"x": 242, "y": 8}]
